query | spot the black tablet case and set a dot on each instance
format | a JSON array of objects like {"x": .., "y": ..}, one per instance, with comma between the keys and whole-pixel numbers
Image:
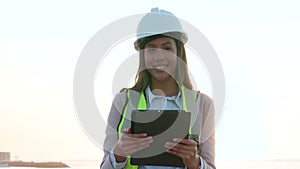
[{"x": 163, "y": 125}]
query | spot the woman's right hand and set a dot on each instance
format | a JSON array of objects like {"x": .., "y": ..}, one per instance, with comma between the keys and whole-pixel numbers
[{"x": 130, "y": 143}]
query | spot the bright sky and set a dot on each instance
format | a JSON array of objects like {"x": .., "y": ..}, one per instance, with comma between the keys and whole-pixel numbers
[{"x": 257, "y": 43}]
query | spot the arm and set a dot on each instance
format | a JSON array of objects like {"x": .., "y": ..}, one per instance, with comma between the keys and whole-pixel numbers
[
  {"x": 207, "y": 138},
  {"x": 112, "y": 131},
  {"x": 187, "y": 149},
  {"x": 117, "y": 149}
]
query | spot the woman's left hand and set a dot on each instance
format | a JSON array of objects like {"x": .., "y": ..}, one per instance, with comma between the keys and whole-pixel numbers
[{"x": 185, "y": 149}]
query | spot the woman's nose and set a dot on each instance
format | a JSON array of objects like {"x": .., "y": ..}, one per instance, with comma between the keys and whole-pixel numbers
[{"x": 159, "y": 55}]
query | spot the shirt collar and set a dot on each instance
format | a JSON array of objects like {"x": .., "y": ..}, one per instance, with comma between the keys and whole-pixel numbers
[{"x": 151, "y": 96}]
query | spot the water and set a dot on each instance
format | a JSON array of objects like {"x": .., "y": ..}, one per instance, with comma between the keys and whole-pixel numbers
[
  {"x": 73, "y": 164},
  {"x": 259, "y": 164},
  {"x": 267, "y": 164}
]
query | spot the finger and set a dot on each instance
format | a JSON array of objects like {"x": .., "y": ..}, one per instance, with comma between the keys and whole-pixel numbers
[
  {"x": 129, "y": 141},
  {"x": 188, "y": 160},
  {"x": 126, "y": 130},
  {"x": 183, "y": 151},
  {"x": 140, "y": 135},
  {"x": 185, "y": 141},
  {"x": 132, "y": 136},
  {"x": 135, "y": 149},
  {"x": 180, "y": 145},
  {"x": 129, "y": 148},
  {"x": 181, "y": 148},
  {"x": 178, "y": 154},
  {"x": 185, "y": 156}
]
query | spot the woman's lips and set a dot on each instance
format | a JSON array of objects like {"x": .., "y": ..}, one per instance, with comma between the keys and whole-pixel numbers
[{"x": 161, "y": 68}]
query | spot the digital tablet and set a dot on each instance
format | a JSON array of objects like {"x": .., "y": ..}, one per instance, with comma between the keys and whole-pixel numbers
[{"x": 163, "y": 126}]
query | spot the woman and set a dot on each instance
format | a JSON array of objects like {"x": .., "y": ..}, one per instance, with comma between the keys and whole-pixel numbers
[{"x": 162, "y": 82}]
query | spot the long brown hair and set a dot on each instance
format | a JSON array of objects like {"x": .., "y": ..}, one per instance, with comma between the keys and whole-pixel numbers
[{"x": 143, "y": 77}]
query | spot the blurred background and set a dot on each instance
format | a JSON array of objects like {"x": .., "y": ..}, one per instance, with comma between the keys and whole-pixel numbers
[{"x": 257, "y": 43}]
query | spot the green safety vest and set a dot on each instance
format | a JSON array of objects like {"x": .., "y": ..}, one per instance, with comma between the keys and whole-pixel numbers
[{"x": 136, "y": 100}]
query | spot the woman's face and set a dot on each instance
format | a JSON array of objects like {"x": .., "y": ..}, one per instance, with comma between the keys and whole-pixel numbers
[{"x": 161, "y": 58}]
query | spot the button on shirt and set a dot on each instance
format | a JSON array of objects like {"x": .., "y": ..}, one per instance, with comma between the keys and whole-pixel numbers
[{"x": 155, "y": 102}]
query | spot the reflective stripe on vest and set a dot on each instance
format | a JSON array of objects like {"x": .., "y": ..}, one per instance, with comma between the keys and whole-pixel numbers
[{"x": 141, "y": 104}]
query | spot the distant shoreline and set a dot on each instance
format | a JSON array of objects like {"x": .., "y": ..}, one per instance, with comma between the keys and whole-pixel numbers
[{"x": 36, "y": 164}]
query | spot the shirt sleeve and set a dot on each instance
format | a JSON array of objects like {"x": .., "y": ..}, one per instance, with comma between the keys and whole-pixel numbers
[
  {"x": 207, "y": 137},
  {"x": 202, "y": 164},
  {"x": 114, "y": 163},
  {"x": 111, "y": 131}
]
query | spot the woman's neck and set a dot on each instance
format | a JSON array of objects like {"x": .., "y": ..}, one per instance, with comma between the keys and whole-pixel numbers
[{"x": 169, "y": 88}]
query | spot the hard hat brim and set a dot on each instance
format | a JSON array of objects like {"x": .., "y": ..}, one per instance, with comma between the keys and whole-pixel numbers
[{"x": 151, "y": 36}]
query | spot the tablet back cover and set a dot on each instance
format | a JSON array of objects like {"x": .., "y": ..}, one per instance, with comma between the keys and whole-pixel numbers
[{"x": 163, "y": 126}]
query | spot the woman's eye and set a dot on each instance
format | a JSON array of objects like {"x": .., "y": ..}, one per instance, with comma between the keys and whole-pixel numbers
[{"x": 150, "y": 50}]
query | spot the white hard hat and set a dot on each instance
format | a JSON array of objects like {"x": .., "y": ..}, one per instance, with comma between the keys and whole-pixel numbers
[{"x": 159, "y": 22}]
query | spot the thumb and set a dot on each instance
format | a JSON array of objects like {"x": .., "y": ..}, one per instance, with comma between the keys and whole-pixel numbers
[{"x": 126, "y": 130}]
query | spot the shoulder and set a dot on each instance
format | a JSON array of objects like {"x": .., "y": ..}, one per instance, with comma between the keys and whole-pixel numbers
[
  {"x": 124, "y": 94},
  {"x": 205, "y": 101},
  {"x": 120, "y": 98},
  {"x": 204, "y": 98},
  {"x": 200, "y": 96}
]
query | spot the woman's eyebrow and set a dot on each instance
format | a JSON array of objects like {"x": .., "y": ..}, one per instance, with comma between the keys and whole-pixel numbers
[
  {"x": 153, "y": 45},
  {"x": 167, "y": 43},
  {"x": 150, "y": 45}
]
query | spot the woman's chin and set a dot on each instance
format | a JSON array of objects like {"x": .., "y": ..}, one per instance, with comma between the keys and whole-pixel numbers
[{"x": 162, "y": 76}]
